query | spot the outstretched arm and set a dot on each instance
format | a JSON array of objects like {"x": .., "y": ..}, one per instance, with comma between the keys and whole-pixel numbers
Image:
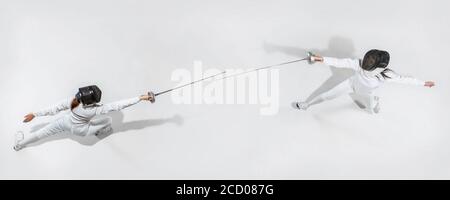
[
  {"x": 120, "y": 105},
  {"x": 397, "y": 78},
  {"x": 52, "y": 110},
  {"x": 336, "y": 62}
]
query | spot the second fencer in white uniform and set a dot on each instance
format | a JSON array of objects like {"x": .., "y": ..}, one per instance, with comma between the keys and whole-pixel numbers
[
  {"x": 369, "y": 74},
  {"x": 80, "y": 120}
]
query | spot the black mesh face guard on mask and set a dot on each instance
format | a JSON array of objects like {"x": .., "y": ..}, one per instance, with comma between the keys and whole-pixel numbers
[
  {"x": 89, "y": 95},
  {"x": 375, "y": 59}
]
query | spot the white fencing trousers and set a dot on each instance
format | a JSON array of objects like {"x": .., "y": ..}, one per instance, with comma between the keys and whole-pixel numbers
[
  {"x": 364, "y": 101},
  {"x": 64, "y": 124}
]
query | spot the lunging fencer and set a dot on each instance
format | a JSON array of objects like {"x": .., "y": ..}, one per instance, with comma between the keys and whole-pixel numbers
[
  {"x": 369, "y": 73},
  {"x": 80, "y": 120}
]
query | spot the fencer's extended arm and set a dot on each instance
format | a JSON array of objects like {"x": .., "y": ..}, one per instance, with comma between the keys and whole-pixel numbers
[
  {"x": 53, "y": 110},
  {"x": 397, "y": 78},
  {"x": 116, "y": 106},
  {"x": 342, "y": 63}
]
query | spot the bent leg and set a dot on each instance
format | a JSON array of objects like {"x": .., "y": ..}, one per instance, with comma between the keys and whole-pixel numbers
[
  {"x": 368, "y": 102},
  {"x": 359, "y": 99}
]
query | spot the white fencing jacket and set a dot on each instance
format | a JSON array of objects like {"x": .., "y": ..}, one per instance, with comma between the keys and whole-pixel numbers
[
  {"x": 81, "y": 116},
  {"x": 364, "y": 83}
]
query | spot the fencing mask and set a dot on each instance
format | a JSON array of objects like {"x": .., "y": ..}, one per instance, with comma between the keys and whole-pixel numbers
[
  {"x": 89, "y": 95},
  {"x": 375, "y": 59}
]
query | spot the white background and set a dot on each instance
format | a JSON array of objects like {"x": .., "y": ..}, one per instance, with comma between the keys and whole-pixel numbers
[{"x": 50, "y": 48}]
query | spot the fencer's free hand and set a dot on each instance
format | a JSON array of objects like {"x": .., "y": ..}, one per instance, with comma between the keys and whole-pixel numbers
[
  {"x": 28, "y": 117},
  {"x": 429, "y": 84}
]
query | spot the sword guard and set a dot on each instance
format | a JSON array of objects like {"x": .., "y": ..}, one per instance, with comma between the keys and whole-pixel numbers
[
  {"x": 310, "y": 57},
  {"x": 152, "y": 97}
]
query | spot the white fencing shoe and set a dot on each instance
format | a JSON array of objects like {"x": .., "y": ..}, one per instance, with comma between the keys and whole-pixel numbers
[
  {"x": 18, "y": 137},
  {"x": 103, "y": 131},
  {"x": 300, "y": 105},
  {"x": 376, "y": 109},
  {"x": 17, "y": 147}
]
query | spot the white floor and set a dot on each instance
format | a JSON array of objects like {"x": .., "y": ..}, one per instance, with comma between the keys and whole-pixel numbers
[{"x": 49, "y": 48}]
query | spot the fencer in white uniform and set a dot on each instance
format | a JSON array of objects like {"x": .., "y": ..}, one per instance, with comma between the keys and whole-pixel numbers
[
  {"x": 369, "y": 74},
  {"x": 80, "y": 120}
]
